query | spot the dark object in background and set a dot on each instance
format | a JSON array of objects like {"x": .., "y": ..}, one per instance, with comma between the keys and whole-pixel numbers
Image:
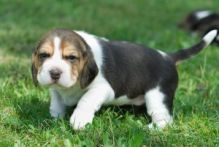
[{"x": 201, "y": 22}]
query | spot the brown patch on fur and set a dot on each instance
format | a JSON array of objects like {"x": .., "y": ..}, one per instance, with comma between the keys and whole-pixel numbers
[
  {"x": 89, "y": 71},
  {"x": 34, "y": 68},
  {"x": 75, "y": 72},
  {"x": 47, "y": 47},
  {"x": 69, "y": 49}
]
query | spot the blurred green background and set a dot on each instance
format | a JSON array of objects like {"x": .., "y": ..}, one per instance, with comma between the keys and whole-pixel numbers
[{"x": 24, "y": 115}]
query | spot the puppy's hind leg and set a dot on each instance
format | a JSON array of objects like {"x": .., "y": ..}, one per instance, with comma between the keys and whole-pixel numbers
[{"x": 157, "y": 109}]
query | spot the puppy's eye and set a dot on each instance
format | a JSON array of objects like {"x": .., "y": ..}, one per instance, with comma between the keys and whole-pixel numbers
[
  {"x": 44, "y": 55},
  {"x": 70, "y": 57}
]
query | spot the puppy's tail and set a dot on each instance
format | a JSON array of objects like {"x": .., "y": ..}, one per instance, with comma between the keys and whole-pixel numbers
[{"x": 189, "y": 52}]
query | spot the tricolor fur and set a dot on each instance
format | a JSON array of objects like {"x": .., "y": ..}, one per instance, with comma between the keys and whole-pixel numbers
[
  {"x": 89, "y": 71},
  {"x": 201, "y": 22}
]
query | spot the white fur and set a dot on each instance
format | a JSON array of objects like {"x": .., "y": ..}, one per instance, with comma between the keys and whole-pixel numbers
[
  {"x": 162, "y": 53},
  {"x": 154, "y": 100},
  {"x": 57, "y": 52},
  {"x": 70, "y": 96},
  {"x": 94, "y": 45},
  {"x": 90, "y": 102},
  {"x": 202, "y": 14},
  {"x": 56, "y": 61},
  {"x": 209, "y": 37}
]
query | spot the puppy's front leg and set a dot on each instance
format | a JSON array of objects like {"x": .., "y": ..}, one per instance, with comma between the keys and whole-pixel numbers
[
  {"x": 57, "y": 108},
  {"x": 90, "y": 102}
]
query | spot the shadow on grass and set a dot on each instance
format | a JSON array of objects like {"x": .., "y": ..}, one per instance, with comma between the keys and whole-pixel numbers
[{"x": 34, "y": 113}]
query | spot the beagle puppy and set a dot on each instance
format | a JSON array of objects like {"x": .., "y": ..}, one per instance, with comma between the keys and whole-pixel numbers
[
  {"x": 201, "y": 22},
  {"x": 89, "y": 71}
]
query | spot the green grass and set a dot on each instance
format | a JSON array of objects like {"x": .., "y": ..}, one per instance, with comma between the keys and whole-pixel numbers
[{"x": 24, "y": 115}]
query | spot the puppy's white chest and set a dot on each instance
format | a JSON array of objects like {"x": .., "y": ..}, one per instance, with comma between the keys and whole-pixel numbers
[
  {"x": 71, "y": 97},
  {"x": 70, "y": 100}
]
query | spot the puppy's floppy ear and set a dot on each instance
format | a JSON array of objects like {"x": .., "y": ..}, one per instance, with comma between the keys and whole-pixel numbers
[
  {"x": 34, "y": 69},
  {"x": 89, "y": 71}
]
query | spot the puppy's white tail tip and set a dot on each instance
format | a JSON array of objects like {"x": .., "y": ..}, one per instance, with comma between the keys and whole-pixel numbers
[{"x": 209, "y": 37}]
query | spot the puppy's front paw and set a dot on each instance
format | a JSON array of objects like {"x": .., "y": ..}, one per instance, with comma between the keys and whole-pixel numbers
[
  {"x": 159, "y": 125},
  {"x": 80, "y": 118}
]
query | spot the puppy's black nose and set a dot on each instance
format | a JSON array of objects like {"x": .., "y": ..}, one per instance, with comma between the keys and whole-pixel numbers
[{"x": 55, "y": 73}]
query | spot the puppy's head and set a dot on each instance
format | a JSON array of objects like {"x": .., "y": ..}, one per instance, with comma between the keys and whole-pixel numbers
[{"x": 62, "y": 58}]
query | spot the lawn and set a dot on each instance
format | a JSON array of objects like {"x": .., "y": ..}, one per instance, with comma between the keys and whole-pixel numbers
[{"x": 24, "y": 108}]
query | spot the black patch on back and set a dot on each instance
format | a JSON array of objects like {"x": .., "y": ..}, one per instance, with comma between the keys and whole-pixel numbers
[{"x": 133, "y": 69}]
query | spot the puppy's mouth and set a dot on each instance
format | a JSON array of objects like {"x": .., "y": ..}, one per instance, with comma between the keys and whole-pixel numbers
[
  {"x": 54, "y": 81},
  {"x": 58, "y": 84},
  {"x": 55, "y": 84}
]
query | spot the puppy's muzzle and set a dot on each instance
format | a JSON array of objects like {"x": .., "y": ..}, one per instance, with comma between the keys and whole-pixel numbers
[{"x": 55, "y": 74}]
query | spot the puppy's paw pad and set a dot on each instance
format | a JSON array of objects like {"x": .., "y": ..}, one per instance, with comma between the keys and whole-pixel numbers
[{"x": 80, "y": 119}]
